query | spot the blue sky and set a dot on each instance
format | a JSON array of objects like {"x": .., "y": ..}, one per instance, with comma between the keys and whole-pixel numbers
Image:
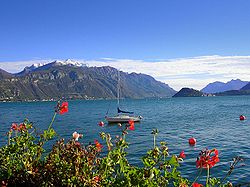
[
  {"x": 145, "y": 30},
  {"x": 180, "y": 36}
]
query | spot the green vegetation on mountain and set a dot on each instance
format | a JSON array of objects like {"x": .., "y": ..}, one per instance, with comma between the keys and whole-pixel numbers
[
  {"x": 189, "y": 92},
  {"x": 71, "y": 82}
]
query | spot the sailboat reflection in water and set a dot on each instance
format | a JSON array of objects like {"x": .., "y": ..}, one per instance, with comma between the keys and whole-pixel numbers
[{"x": 122, "y": 116}]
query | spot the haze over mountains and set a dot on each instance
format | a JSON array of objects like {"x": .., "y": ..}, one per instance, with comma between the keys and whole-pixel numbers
[{"x": 73, "y": 80}]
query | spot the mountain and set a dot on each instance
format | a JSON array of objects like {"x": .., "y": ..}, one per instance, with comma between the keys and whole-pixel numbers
[
  {"x": 245, "y": 90},
  {"x": 217, "y": 86},
  {"x": 73, "y": 80},
  {"x": 29, "y": 69},
  {"x": 246, "y": 87},
  {"x": 5, "y": 74},
  {"x": 44, "y": 66},
  {"x": 189, "y": 92}
]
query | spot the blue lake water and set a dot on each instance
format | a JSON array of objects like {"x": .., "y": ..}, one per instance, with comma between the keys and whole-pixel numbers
[{"x": 213, "y": 121}]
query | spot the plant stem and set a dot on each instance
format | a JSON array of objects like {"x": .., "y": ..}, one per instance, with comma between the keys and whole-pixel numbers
[
  {"x": 9, "y": 135},
  {"x": 225, "y": 177},
  {"x": 154, "y": 140},
  {"x": 124, "y": 138},
  {"x": 106, "y": 165},
  {"x": 197, "y": 176},
  {"x": 107, "y": 142},
  {"x": 53, "y": 119},
  {"x": 207, "y": 175},
  {"x": 230, "y": 171}
]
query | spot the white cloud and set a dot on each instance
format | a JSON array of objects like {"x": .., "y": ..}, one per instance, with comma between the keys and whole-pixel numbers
[{"x": 195, "y": 72}]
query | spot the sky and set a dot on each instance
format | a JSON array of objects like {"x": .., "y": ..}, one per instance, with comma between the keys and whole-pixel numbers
[{"x": 182, "y": 43}]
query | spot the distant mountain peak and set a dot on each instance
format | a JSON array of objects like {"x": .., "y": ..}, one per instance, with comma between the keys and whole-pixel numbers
[
  {"x": 43, "y": 66},
  {"x": 216, "y": 87},
  {"x": 68, "y": 62},
  {"x": 235, "y": 80},
  {"x": 37, "y": 65},
  {"x": 33, "y": 66},
  {"x": 4, "y": 74}
]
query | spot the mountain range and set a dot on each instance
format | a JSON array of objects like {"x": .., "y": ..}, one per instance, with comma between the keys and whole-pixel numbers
[
  {"x": 217, "y": 87},
  {"x": 233, "y": 87},
  {"x": 245, "y": 90},
  {"x": 73, "y": 80}
]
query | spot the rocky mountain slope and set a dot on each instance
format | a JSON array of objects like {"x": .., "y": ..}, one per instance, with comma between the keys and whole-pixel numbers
[{"x": 73, "y": 80}]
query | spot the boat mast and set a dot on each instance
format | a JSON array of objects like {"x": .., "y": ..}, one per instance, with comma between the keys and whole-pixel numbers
[{"x": 118, "y": 88}]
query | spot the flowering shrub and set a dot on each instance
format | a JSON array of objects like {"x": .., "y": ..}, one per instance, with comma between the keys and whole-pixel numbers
[
  {"x": 71, "y": 164},
  {"x": 24, "y": 162},
  {"x": 21, "y": 158}
]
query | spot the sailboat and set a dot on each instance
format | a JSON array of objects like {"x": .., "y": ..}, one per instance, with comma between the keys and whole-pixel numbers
[{"x": 122, "y": 116}]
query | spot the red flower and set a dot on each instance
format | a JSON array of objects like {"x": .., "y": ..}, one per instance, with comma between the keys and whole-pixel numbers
[
  {"x": 182, "y": 155},
  {"x": 14, "y": 126},
  {"x": 196, "y": 185},
  {"x": 63, "y": 108},
  {"x": 98, "y": 146},
  {"x": 22, "y": 127},
  {"x": 206, "y": 160},
  {"x": 96, "y": 179},
  {"x": 131, "y": 125}
]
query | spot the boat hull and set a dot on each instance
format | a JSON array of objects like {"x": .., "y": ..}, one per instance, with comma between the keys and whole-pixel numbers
[{"x": 123, "y": 119}]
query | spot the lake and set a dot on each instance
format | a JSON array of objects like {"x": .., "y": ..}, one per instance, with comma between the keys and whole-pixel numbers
[{"x": 213, "y": 121}]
